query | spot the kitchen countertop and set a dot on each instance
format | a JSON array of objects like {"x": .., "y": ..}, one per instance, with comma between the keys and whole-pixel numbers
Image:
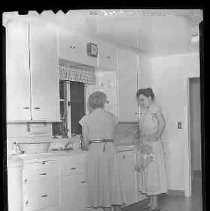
[
  {"x": 12, "y": 159},
  {"x": 50, "y": 155}
]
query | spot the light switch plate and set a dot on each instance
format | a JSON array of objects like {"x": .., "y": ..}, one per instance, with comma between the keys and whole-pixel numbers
[{"x": 179, "y": 125}]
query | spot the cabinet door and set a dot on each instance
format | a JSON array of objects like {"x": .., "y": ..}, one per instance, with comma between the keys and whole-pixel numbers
[
  {"x": 107, "y": 57},
  {"x": 81, "y": 194},
  {"x": 71, "y": 47},
  {"x": 128, "y": 175},
  {"x": 39, "y": 195},
  {"x": 69, "y": 186},
  {"x": 17, "y": 72},
  {"x": 127, "y": 85},
  {"x": 45, "y": 72}
]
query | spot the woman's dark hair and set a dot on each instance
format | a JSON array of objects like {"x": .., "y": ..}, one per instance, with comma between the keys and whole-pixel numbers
[{"x": 147, "y": 92}]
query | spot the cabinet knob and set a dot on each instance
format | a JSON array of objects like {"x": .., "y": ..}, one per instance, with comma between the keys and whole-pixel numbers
[
  {"x": 83, "y": 181},
  {"x": 123, "y": 156},
  {"x": 42, "y": 174},
  {"x": 25, "y": 180},
  {"x": 36, "y": 108},
  {"x": 73, "y": 168},
  {"x": 26, "y": 203}
]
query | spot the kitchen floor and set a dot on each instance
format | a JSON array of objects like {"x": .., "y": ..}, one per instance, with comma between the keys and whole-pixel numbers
[{"x": 174, "y": 203}]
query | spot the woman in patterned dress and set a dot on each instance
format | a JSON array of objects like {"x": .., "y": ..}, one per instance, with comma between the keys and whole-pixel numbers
[
  {"x": 103, "y": 179},
  {"x": 151, "y": 124}
]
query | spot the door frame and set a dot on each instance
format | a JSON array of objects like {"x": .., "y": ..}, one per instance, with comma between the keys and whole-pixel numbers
[{"x": 188, "y": 163}]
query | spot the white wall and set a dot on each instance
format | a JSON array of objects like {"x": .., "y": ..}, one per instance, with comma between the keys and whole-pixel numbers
[
  {"x": 145, "y": 71},
  {"x": 169, "y": 82}
]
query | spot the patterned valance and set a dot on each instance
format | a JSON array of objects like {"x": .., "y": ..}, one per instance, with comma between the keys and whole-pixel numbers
[{"x": 82, "y": 74}]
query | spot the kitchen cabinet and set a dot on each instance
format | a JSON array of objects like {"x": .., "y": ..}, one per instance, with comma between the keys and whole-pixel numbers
[
  {"x": 40, "y": 185},
  {"x": 127, "y": 85},
  {"x": 17, "y": 71},
  {"x": 107, "y": 57},
  {"x": 73, "y": 183},
  {"x": 45, "y": 73},
  {"x": 14, "y": 183},
  {"x": 58, "y": 183},
  {"x": 127, "y": 160},
  {"x": 31, "y": 72},
  {"x": 39, "y": 195},
  {"x": 73, "y": 47},
  {"x": 73, "y": 192}
]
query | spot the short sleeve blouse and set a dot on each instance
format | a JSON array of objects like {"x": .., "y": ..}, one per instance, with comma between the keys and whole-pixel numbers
[{"x": 101, "y": 124}]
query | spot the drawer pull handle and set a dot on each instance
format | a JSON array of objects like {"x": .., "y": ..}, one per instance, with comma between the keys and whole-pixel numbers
[
  {"x": 44, "y": 162},
  {"x": 73, "y": 168},
  {"x": 36, "y": 108},
  {"x": 43, "y": 174},
  {"x": 123, "y": 156},
  {"x": 26, "y": 107},
  {"x": 44, "y": 196},
  {"x": 84, "y": 181}
]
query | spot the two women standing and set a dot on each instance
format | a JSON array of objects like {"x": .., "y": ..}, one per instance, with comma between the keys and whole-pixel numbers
[{"x": 103, "y": 176}]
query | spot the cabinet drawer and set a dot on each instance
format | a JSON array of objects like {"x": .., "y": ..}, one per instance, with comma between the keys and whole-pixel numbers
[
  {"x": 39, "y": 195},
  {"x": 72, "y": 166},
  {"x": 40, "y": 171}
]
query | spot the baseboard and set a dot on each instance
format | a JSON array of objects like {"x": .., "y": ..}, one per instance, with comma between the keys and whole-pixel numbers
[{"x": 176, "y": 193}]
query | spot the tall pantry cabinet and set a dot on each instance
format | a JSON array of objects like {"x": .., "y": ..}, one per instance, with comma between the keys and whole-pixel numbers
[{"x": 32, "y": 75}]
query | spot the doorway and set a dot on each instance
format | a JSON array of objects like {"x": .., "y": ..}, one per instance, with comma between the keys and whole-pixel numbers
[
  {"x": 77, "y": 99},
  {"x": 195, "y": 129}
]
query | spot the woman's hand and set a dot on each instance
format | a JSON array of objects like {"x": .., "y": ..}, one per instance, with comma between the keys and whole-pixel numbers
[
  {"x": 85, "y": 147},
  {"x": 151, "y": 137}
]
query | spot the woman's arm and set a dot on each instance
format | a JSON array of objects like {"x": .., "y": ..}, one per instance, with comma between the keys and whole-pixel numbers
[
  {"x": 85, "y": 135},
  {"x": 161, "y": 124}
]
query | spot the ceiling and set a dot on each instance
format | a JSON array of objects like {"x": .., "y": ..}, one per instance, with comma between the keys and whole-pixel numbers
[{"x": 151, "y": 31}]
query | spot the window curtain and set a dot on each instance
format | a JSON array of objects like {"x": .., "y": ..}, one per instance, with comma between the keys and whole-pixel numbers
[{"x": 68, "y": 72}]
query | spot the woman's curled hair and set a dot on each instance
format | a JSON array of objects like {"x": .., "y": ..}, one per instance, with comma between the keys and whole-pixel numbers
[
  {"x": 147, "y": 92},
  {"x": 97, "y": 100}
]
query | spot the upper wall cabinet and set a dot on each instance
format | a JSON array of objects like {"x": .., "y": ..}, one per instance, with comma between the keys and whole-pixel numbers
[
  {"x": 17, "y": 72},
  {"x": 127, "y": 85},
  {"x": 45, "y": 74},
  {"x": 107, "y": 57},
  {"x": 73, "y": 48},
  {"x": 32, "y": 74}
]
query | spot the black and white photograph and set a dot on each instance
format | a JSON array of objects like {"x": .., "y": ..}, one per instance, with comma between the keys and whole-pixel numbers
[{"x": 103, "y": 110}]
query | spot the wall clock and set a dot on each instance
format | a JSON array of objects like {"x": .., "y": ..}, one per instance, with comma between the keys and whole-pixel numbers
[{"x": 92, "y": 49}]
